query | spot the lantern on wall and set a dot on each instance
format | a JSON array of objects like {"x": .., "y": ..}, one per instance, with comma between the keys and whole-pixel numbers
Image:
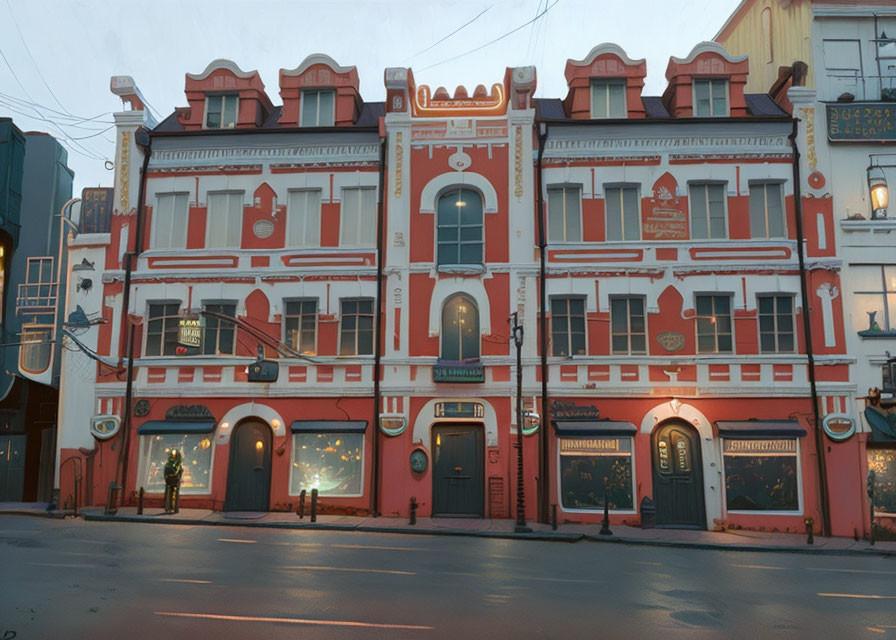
[{"x": 880, "y": 195}]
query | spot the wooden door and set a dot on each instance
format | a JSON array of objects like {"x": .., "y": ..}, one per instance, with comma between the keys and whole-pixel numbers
[
  {"x": 249, "y": 472},
  {"x": 457, "y": 471},
  {"x": 678, "y": 476}
]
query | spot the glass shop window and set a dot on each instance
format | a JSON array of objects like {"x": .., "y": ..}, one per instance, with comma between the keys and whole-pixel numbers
[
  {"x": 332, "y": 463},
  {"x": 585, "y": 462},
  {"x": 196, "y": 454},
  {"x": 762, "y": 475},
  {"x": 883, "y": 462}
]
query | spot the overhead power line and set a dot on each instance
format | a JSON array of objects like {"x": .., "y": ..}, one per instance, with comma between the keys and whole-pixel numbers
[
  {"x": 437, "y": 42},
  {"x": 499, "y": 38}
]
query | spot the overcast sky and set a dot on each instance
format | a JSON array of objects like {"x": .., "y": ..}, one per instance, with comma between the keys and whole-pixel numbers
[{"x": 61, "y": 54}]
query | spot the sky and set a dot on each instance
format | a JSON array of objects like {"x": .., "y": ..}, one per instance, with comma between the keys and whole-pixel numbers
[{"x": 58, "y": 56}]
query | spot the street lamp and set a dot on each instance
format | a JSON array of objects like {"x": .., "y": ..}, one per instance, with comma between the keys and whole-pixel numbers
[
  {"x": 520, "y": 421},
  {"x": 880, "y": 195}
]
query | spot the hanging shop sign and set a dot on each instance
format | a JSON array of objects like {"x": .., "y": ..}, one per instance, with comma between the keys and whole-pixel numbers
[
  {"x": 419, "y": 460},
  {"x": 463, "y": 371},
  {"x": 561, "y": 410},
  {"x": 393, "y": 425},
  {"x": 189, "y": 332},
  {"x": 104, "y": 427},
  {"x": 188, "y": 412},
  {"x": 866, "y": 122},
  {"x": 459, "y": 410},
  {"x": 838, "y": 426}
]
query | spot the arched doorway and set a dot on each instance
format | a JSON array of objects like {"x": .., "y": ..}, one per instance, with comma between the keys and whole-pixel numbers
[
  {"x": 249, "y": 470},
  {"x": 678, "y": 476}
]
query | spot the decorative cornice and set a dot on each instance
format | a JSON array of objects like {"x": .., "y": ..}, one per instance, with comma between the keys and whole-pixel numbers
[
  {"x": 601, "y": 49},
  {"x": 313, "y": 59},
  {"x": 707, "y": 47},
  {"x": 222, "y": 63}
]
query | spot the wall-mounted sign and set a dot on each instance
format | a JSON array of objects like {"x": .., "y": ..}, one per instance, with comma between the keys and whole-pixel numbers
[
  {"x": 838, "y": 426},
  {"x": 188, "y": 412},
  {"x": 419, "y": 460},
  {"x": 189, "y": 332},
  {"x": 862, "y": 121},
  {"x": 104, "y": 427},
  {"x": 141, "y": 409},
  {"x": 393, "y": 425},
  {"x": 671, "y": 340},
  {"x": 759, "y": 447},
  {"x": 561, "y": 410},
  {"x": 594, "y": 446},
  {"x": 459, "y": 410},
  {"x": 444, "y": 371},
  {"x": 664, "y": 218},
  {"x": 96, "y": 210}
]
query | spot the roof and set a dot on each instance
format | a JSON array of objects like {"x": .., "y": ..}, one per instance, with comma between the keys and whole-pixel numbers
[
  {"x": 761, "y": 104},
  {"x": 758, "y": 105}
]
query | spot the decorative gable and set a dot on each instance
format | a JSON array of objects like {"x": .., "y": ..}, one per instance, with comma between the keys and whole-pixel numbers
[
  {"x": 606, "y": 62},
  {"x": 319, "y": 72},
  {"x": 707, "y": 62},
  {"x": 224, "y": 78}
]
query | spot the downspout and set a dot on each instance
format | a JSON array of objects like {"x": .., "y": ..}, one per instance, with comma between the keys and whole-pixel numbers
[
  {"x": 378, "y": 349},
  {"x": 807, "y": 331},
  {"x": 543, "y": 458},
  {"x": 144, "y": 141}
]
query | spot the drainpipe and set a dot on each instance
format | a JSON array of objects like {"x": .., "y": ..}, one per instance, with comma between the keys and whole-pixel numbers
[
  {"x": 807, "y": 330},
  {"x": 543, "y": 441},
  {"x": 377, "y": 348},
  {"x": 144, "y": 141}
]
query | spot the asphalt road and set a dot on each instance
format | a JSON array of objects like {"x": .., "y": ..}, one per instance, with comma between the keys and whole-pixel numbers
[{"x": 63, "y": 579}]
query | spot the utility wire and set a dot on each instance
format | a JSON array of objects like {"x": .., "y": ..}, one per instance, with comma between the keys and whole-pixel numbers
[
  {"x": 466, "y": 24},
  {"x": 499, "y": 38},
  {"x": 76, "y": 121}
]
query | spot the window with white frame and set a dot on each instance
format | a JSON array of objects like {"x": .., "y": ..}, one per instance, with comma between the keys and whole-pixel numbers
[
  {"x": 357, "y": 226},
  {"x": 568, "y": 326},
  {"x": 356, "y": 327},
  {"x": 459, "y": 229},
  {"x": 318, "y": 108},
  {"x": 39, "y": 290},
  {"x": 218, "y": 334},
  {"x": 875, "y": 286},
  {"x": 196, "y": 451},
  {"x": 169, "y": 221},
  {"x": 224, "y": 220},
  {"x": 300, "y": 325},
  {"x": 303, "y": 218},
  {"x": 623, "y": 213},
  {"x": 460, "y": 329},
  {"x": 565, "y": 214},
  {"x": 776, "y": 323},
  {"x": 767, "y": 210},
  {"x": 332, "y": 463},
  {"x": 585, "y": 462},
  {"x": 761, "y": 475},
  {"x": 710, "y": 98},
  {"x": 714, "y": 325},
  {"x": 221, "y": 111},
  {"x": 628, "y": 325},
  {"x": 162, "y": 328},
  {"x": 608, "y": 99},
  {"x": 707, "y": 202}
]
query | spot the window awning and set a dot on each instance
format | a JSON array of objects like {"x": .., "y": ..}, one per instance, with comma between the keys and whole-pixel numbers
[
  {"x": 161, "y": 427},
  {"x": 760, "y": 429},
  {"x": 578, "y": 428},
  {"x": 329, "y": 426}
]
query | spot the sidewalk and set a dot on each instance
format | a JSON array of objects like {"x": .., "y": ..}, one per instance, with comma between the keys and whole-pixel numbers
[{"x": 725, "y": 541}]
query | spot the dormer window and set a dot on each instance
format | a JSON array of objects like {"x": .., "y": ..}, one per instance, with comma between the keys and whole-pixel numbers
[
  {"x": 317, "y": 108},
  {"x": 608, "y": 99},
  {"x": 220, "y": 111},
  {"x": 710, "y": 98}
]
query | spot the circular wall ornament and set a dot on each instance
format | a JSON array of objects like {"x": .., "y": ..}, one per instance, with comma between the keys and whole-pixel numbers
[
  {"x": 263, "y": 229},
  {"x": 838, "y": 426},
  {"x": 671, "y": 340},
  {"x": 419, "y": 460},
  {"x": 141, "y": 409},
  {"x": 816, "y": 180},
  {"x": 460, "y": 161},
  {"x": 104, "y": 427}
]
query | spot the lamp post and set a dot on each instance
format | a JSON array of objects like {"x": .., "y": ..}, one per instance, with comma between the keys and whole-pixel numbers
[{"x": 520, "y": 495}]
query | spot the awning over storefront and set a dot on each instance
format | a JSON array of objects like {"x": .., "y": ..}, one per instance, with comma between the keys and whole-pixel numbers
[
  {"x": 161, "y": 427},
  {"x": 760, "y": 429},
  {"x": 329, "y": 426},
  {"x": 578, "y": 428}
]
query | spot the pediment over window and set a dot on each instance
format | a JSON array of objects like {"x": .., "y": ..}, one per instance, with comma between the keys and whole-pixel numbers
[
  {"x": 224, "y": 97},
  {"x": 709, "y": 82},
  {"x": 319, "y": 92},
  {"x": 605, "y": 84}
]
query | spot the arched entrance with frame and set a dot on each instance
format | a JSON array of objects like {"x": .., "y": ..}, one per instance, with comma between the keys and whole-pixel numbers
[
  {"x": 249, "y": 467},
  {"x": 678, "y": 475}
]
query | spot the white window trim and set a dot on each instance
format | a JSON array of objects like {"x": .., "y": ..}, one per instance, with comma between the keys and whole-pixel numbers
[
  {"x": 141, "y": 467},
  {"x": 697, "y": 315},
  {"x": 633, "y": 510},
  {"x": 799, "y": 484},
  {"x": 707, "y": 183},
  {"x": 155, "y": 221},
  {"x": 568, "y": 297},
  {"x": 359, "y": 244},
  {"x": 606, "y": 82},
  {"x": 628, "y": 325},
  {"x": 146, "y": 319},
  {"x": 302, "y": 94},
  {"x": 564, "y": 187},
  {"x": 622, "y": 187},
  {"x": 479, "y": 333},
  {"x": 292, "y": 462},
  {"x": 284, "y": 337},
  {"x": 242, "y": 198},
  {"x": 290, "y": 219},
  {"x": 764, "y": 184},
  {"x": 356, "y": 330},
  {"x": 727, "y": 98},
  {"x": 796, "y": 335},
  {"x": 205, "y": 111}
]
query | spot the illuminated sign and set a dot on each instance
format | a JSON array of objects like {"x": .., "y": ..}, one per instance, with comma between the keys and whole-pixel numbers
[
  {"x": 594, "y": 446},
  {"x": 189, "y": 332},
  {"x": 759, "y": 447}
]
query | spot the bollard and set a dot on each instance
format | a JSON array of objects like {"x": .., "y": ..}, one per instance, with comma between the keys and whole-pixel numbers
[
  {"x": 413, "y": 516},
  {"x": 314, "y": 505},
  {"x": 605, "y": 525},
  {"x": 301, "y": 510},
  {"x": 140, "y": 502},
  {"x": 112, "y": 499},
  {"x": 810, "y": 534},
  {"x": 554, "y": 517}
]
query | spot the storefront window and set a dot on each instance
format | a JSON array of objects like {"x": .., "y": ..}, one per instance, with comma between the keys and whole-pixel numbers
[
  {"x": 585, "y": 462},
  {"x": 196, "y": 453},
  {"x": 761, "y": 475},
  {"x": 883, "y": 462},
  {"x": 332, "y": 463}
]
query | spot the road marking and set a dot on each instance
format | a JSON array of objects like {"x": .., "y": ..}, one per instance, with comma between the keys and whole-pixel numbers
[
  {"x": 58, "y": 564},
  {"x": 236, "y": 540},
  {"x": 849, "y": 570},
  {"x": 362, "y": 546},
  {"x": 332, "y": 623},
  {"x": 758, "y": 566},
  {"x": 185, "y": 580},
  {"x": 502, "y": 556},
  {"x": 319, "y": 568},
  {"x": 856, "y": 595},
  {"x": 479, "y": 575}
]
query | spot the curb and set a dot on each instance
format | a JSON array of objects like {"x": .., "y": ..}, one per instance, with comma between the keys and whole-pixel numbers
[{"x": 713, "y": 546}]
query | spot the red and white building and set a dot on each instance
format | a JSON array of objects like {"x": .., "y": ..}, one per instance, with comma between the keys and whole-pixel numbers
[{"x": 374, "y": 253}]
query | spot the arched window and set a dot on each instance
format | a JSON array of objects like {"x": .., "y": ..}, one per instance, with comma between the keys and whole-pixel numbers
[
  {"x": 460, "y": 329},
  {"x": 459, "y": 228}
]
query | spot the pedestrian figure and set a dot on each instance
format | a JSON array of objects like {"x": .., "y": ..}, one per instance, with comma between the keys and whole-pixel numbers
[{"x": 174, "y": 471}]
